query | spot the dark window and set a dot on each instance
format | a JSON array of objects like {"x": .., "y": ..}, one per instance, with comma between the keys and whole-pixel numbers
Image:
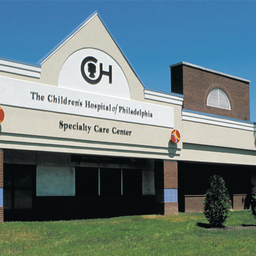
[
  {"x": 23, "y": 199},
  {"x": 86, "y": 181},
  {"x": 19, "y": 186},
  {"x": 110, "y": 182},
  {"x": 132, "y": 182},
  {"x": 7, "y": 199}
]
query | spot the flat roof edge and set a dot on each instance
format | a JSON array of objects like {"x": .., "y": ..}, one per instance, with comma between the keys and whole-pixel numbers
[
  {"x": 36, "y": 65},
  {"x": 210, "y": 70},
  {"x": 217, "y": 116}
]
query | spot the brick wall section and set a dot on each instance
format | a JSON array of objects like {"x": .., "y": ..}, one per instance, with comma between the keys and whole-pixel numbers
[
  {"x": 1, "y": 214},
  {"x": 177, "y": 79},
  {"x": 170, "y": 174},
  {"x": 196, "y": 85},
  {"x": 171, "y": 209},
  {"x": 194, "y": 203},
  {"x": 239, "y": 201},
  {"x": 171, "y": 182}
]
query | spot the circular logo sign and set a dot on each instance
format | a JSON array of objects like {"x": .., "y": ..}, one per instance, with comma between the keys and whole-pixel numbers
[
  {"x": 175, "y": 136},
  {"x": 1, "y": 115},
  {"x": 89, "y": 72},
  {"x": 94, "y": 71}
]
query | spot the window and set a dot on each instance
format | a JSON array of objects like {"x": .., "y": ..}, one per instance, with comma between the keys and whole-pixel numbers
[
  {"x": 218, "y": 98},
  {"x": 132, "y": 181},
  {"x": 55, "y": 181},
  {"x": 19, "y": 186},
  {"x": 110, "y": 182},
  {"x": 87, "y": 181}
]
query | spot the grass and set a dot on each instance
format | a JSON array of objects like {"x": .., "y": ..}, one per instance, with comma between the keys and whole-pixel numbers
[{"x": 132, "y": 235}]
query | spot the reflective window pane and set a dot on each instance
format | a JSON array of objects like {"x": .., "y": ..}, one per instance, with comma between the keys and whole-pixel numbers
[
  {"x": 7, "y": 199},
  {"x": 22, "y": 199},
  {"x": 23, "y": 179},
  {"x": 110, "y": 182}
]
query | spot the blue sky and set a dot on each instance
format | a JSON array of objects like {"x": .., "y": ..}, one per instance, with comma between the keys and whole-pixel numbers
[{"x": 219, "y": 35}]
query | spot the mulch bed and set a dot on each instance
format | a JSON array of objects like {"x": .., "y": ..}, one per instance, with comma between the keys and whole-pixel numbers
[
  {"x": 232, "y": 228},
  {"x": 226, "y": 228}
]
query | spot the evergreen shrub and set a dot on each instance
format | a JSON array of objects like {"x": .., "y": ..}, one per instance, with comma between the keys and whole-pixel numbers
[
  {"x": 217, "y": 202},
  {"x": 254, "y": 204}
]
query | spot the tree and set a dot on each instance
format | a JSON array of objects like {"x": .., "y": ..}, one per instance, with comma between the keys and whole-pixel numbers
[{"x": 216, "y": 203}]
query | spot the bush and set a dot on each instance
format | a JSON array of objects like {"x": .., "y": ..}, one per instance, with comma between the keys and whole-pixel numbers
[
  {"x": 254, "y": 204},
  {"x": 216, "y": 203}
]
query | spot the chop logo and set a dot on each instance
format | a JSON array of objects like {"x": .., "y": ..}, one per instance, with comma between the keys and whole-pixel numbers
[
  {"x": 92, "y": 73},
  {"x": 1, "y": 115}
]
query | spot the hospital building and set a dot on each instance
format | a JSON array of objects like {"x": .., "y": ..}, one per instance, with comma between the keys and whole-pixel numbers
[{"x": 80, "y": 136}]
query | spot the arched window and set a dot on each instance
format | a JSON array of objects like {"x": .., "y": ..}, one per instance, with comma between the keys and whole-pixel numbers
[{"x": 218, "y": 98}]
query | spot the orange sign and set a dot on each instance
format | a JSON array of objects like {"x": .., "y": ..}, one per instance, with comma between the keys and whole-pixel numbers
[
  {"x": 1, "y": 115},
  {"x": 175, "y": 136}
]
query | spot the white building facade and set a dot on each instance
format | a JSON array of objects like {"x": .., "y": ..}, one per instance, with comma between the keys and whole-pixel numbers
[{"x": 80, "y": 137}]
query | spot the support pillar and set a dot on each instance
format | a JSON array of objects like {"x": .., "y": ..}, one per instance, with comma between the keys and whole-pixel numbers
[
  {"x": 1, "y": 186},
  {"x": 170, "y": 187},
  {"x": 167, "y": 188}
]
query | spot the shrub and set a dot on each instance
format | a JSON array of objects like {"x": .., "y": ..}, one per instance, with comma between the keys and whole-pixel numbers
[
  {"x": 254, "y": 204},
  {"x": 216, "y": 203}
]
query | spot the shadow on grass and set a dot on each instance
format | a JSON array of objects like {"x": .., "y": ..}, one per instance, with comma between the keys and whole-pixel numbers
[
  {"x": 226, "y": 228},
  {"x": 248, "y": 225},
  {"x": 206, "y": 225}
]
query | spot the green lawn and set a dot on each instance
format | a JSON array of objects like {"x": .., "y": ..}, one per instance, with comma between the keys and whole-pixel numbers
[{"x": 133, "y": 235}]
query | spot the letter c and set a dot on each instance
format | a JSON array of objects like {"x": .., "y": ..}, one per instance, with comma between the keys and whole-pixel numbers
[{"x": 86, "y": 78}]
